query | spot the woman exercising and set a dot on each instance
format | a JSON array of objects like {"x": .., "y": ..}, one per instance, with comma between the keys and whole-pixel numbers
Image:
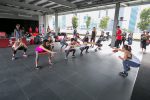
[
  {"x": 50, "y": 39},
  {"x": 93, "y": 36},
  {"x": 44, "y": 48},
  {"x": 77, "y": 37},
  {"x": 99, "y": 41},
  {"x": 128, "y": 59},
  {"x": 71, "y": 48},
  {"x": 19, "y": 45},
  {"x": 85, "y": 46},
  {"x": 63, "y": 42}
]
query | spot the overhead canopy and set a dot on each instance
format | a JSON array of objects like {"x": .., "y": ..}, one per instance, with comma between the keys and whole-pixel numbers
[{"x": 41, "y": 7}]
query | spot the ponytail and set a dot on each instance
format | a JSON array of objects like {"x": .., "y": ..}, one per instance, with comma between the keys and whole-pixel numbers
[
  {"x": 128, "y": 48},
  {"x": 44, "y": 43}
]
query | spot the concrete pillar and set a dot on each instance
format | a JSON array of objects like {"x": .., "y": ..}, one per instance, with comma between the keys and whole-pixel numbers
[
  {"x": 75, "y": 13},
  {"x": 106, "y": 12},
  {"x": 56, "y": 23},
  {"x": 117, "y": 8},
  {"x": 42, "y": 24}
]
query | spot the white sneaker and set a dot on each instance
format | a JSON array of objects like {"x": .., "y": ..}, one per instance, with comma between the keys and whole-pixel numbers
[
  {"x": 13, "y": 58},
  {"x": 66, "y": 57}
]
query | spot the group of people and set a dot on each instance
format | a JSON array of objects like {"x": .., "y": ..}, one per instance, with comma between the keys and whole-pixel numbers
[
  {"x": 47, "y": 47},
  {"x": 20, "y": 32},
  {"x": 121, "y": 38}
]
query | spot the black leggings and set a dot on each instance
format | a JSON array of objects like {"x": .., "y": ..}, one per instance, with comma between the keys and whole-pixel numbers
[
  {"x": 20, "y": 48},
  {"x": 143, "y": 44},
  {"x": 71, "y": 50},
  {"x": 84, "y": 48},
  {"x": 118, "y": 43},
  {"x": 93, "y": 39}
]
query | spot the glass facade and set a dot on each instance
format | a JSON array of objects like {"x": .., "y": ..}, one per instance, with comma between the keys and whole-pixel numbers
[{"x": 130, "y": 18}]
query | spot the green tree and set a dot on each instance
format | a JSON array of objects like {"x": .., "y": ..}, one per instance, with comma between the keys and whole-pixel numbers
[
  {"x": 144, "y": 19},
  {"x": 88, "y": 21},
  {"x": 104, "y": 22},
  {"x": 126, "y": 30},
  {"x": 74, "y": 22}
]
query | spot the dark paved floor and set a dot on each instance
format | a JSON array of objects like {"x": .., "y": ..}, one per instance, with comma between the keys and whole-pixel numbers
[
  {"x": 91, "y": 77},
  {"x": 141, "y": 89}
]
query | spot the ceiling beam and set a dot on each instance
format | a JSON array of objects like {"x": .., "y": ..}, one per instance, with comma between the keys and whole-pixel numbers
[
  {"x": 27, "y": 1},
  {"x": 56, "y": 6},
  {"x": 106, "y": 6},
  {"x": 13, "y": 16},
  {"x": 20, "y": 10},
  {"x": 144, "y": 2},
  {"x": 25, "y": 5},
  {"x": 40, "y": 2},
  {"x": 48, "y": 4},
  {"x": 64, "y": 3},
  {"x": 87, "y": 9}
]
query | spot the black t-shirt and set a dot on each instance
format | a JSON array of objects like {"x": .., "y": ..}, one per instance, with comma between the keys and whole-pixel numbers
[
  {"x": 143, "y": 38},
  {"x": 86, "y": 39},
  {"x": 93, "y": 34}
]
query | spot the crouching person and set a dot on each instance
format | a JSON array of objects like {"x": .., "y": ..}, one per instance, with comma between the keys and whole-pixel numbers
[
  {"x": 128, "y": 60},
  {"x": 70, "y": 48},
  {"x": 19, "y": 45}
]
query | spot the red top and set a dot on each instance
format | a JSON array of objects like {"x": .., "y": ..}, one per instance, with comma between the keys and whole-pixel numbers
[{"x": 118, "y": 34}]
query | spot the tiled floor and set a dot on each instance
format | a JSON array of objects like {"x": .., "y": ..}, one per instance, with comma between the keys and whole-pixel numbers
[{"x": 93, "y": 76}]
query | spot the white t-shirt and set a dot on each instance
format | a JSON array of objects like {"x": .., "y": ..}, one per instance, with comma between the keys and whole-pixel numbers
[{"x": 135, "y": 59}]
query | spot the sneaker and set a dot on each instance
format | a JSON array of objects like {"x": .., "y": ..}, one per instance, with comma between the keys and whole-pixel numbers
[
  {"x": 24, "y": 55},
  {"x": 13, "y": 58},
  {"x": 99, "y": 49},
  {"x": 37, "y": 67},
  {"x": 123, "y": 74},
  {"x": 87, "y": 52},
  {"x": 66, "y": 58}
]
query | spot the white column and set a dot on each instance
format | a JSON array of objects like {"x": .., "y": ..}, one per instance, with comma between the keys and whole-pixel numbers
[
  {"x": 42, "y": 22},
  {"x": 50, "y": 22},
  {"x": 117, "y": 8},
  {"x": 56, "y": 23}
]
